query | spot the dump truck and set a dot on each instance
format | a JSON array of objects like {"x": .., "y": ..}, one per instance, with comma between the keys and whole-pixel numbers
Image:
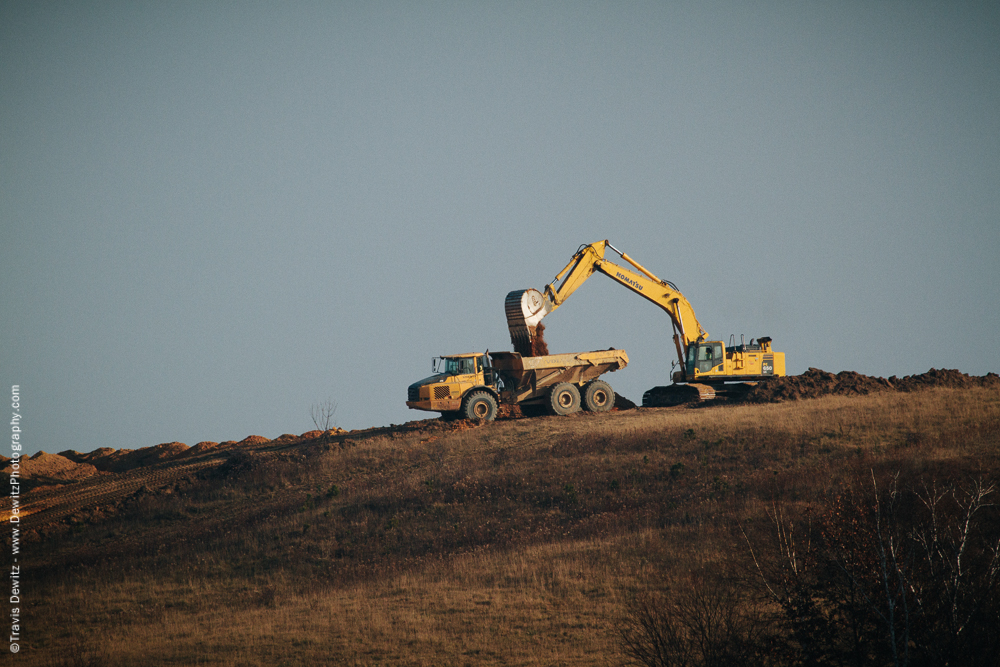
[
  {"x": 474, "y": 385},
  {"x": 708, "y": 369}
]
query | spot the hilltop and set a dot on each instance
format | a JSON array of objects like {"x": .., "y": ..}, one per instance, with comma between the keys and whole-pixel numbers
[{"x": 522, "y": 541}]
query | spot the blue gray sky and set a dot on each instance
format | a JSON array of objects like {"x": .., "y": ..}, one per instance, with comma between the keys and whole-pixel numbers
[{"x": 214, "y": 215}]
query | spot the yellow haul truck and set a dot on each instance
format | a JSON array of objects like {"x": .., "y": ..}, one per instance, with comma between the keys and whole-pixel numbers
[
  {"x": 707, "y": 368},
  {"x": 471, "y": 386}
]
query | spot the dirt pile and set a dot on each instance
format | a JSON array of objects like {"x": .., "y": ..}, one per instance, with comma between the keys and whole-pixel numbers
[
  {"x": 55, "y": 466},
  {"x": 201, "y": 448},
  {"x": 815, "y": 382},
  {"x": 44, "y": 468},
  {"x": 122, "y": 460},
  {"x": 508, "y": 411},
  {"x": 622, "y": 403}
]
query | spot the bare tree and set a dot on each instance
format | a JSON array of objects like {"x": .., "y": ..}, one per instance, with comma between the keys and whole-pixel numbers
[{"x": 323, "y": 414}]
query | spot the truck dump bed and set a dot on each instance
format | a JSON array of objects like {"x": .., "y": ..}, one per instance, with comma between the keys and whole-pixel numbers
[{"x": 526, "y": 379}]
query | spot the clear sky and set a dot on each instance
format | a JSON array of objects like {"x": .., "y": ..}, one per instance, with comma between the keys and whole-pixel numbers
[{"x": 214, "y": 215}]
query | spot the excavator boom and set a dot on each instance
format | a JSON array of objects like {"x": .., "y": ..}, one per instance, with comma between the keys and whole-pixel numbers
[
  {"x": 701, "y": 361},
  {"x": 526, "y": 308}
]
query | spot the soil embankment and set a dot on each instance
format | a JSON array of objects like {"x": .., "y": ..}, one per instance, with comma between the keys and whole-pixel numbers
[{"x": 815, "y": 383}]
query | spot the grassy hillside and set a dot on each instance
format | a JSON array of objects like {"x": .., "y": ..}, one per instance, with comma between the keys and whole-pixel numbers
[{"x": 573, "y": 540}]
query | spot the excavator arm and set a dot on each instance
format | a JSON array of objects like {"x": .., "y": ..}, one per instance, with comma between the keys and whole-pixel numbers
[{"x": 526, "y": 308}]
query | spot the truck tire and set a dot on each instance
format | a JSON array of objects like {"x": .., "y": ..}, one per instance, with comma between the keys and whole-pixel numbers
[
  {"x": 479, "y": 405},
  {"x": 598, "y": 396},
  {"x": 564, "y": 398}
]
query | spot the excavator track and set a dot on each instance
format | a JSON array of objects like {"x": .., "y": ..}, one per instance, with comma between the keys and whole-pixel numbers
[
  {"x": 693, "y": 392},
  {"x": 677, "y": 394}
]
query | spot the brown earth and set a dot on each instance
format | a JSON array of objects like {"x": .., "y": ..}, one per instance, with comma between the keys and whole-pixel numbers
[
  {"x": 815, "y": 383},
  {"x": 72, "y": 488},
  {"x": 437, "y": 542},
  {"x": 171, "y": 465},
  {"x": 106, "y": 459},
  {"x": 539, "y": 348},
  {"x": 120, "y": 460},
  {"x": 45, "y": 468},
  {"x": 622, "y": 403}
]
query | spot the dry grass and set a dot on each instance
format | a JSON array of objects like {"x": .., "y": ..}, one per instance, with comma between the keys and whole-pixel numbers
[{"x": 512, "y": 543}]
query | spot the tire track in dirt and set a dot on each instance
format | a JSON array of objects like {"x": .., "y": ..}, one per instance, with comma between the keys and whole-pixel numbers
[{"x": 50, "y": 507}]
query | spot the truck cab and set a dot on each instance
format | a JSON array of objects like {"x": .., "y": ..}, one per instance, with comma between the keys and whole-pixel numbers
[{"x": 457, "y": 377}]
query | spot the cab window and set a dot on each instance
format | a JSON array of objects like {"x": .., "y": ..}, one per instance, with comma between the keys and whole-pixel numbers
[{"x": 709, "y": 356}]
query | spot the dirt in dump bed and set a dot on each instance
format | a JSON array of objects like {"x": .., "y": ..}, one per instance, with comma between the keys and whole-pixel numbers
[{"x": 815, "y": 382}]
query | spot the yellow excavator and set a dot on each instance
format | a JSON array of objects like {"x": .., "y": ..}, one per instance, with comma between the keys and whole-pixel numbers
[{"x": 708, "y": 369}]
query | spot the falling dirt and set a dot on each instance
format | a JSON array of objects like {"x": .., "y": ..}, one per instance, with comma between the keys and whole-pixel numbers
[
  {"x": 539, "y": 348},
  {"x": 814, "y": 383}
]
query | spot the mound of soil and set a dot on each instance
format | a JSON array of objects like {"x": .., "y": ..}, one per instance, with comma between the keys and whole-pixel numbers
[
  {"x": 622, "y": 403},
  {"x": 201, "y": 448},
  {"x": 944, "y": 378},
  {"x": 43, "y": 468},
  {"x": 121, "y": 460},
  {"x": 815, "y": 382}
]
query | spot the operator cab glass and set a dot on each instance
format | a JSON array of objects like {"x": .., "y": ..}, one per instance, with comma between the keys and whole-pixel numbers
[
  {"x": 457, "y": 365},
  {"x": 704, "y": 357}
]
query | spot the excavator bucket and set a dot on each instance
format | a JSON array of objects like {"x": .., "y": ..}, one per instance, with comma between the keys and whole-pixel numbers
[{"x": 525, "y": 310}]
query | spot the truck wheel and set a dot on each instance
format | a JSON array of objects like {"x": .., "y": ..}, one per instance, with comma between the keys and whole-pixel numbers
[
  {"x": 480, "y": 405},
  {"x": 564, "y": 398},
  {"x": 598, "y": 396}
]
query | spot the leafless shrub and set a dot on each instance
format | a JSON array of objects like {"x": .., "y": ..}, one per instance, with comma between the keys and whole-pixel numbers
[
  {"x": 890, "y": 573},
  {"x": 323, "y": 414},
  {"x": 711, "y": 622}
]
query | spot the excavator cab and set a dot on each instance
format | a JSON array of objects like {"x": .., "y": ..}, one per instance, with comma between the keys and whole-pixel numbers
[{"x": 703, "y": 357}]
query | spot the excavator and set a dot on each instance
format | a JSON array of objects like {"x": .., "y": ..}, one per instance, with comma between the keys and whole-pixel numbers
[{"x": 707, "y": 369}]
